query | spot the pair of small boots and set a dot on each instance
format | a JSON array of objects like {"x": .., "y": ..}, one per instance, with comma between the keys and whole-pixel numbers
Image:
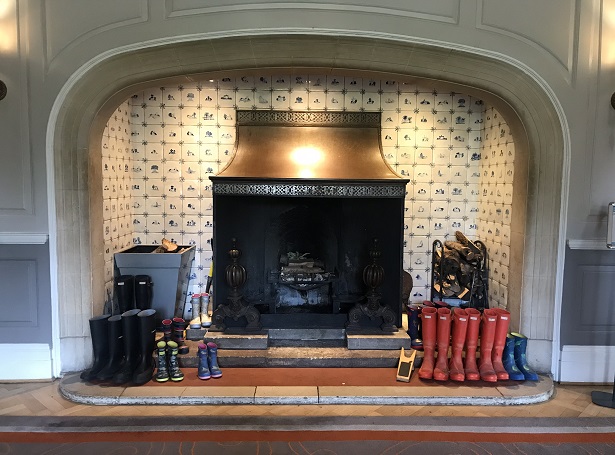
[
  {"x": 175, "y": 330},
  {"x": 208, "y": 361},
  {"x": 168, "y": 365},
  {"x": 200, "y": 311}
]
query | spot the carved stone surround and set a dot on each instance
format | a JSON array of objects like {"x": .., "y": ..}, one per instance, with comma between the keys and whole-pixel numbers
[{"x": 528, "y": 104}]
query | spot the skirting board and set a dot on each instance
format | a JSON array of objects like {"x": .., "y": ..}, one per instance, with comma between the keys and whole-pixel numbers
[
  {"x": 595, "y": 364},
  {"x": 34, "y": 362}
]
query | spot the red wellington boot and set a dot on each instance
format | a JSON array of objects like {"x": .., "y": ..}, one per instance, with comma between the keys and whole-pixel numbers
[
  {"x": 471, "y": 370},
  {"x": 428, "y": 326},
  {"x": 487, "y": 333},
  {"x": 499, "y": 342},
  {"x": 440, "y": 371},
  {"x": 460, "y": 327}
]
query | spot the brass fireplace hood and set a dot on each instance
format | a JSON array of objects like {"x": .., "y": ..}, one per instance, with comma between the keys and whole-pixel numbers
[{"x": 314, "y": 153}]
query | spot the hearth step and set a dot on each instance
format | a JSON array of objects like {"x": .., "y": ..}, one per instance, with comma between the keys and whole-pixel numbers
[
  {"x": 297, "y": 357},
  {"x": 302, "y": 337},
  {"x": 307, "y": 338}
]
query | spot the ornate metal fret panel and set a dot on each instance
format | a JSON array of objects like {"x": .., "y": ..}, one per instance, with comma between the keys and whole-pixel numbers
[
  {"x": 315, "y": 189},
  {"x": 308, "y": 118}
]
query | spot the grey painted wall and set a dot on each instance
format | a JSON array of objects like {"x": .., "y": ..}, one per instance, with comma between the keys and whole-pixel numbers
[
  {"x": 25, "y": 306},
  {"x": 588, "y": 304}
]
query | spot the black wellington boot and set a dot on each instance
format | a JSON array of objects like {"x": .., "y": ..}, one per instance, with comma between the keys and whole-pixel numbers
[
  {"x": 143, "y": 292},
  {"x": 130, "y": 331},
  {"x": 116, "y": 349},
  {"x": 147, "y": 342},
  {"x": 100, "y": 346},
  {"x": 125, "y": 292}
]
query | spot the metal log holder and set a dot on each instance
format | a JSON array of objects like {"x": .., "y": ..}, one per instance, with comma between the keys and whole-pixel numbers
[{"x": 459, "y": 272}]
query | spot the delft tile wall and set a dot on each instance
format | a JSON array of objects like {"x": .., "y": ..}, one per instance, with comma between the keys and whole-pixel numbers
[
  {"x": 495, "y": 202},
  {"x": 448, "y": 144},
  {"x": 117, "y": 180}
]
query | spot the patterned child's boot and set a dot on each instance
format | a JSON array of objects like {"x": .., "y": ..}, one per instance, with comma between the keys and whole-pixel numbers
[
  {"x": 212, "y": 353},
  {"x": 203, "y": 371},
  {"x": 205, "y": 313},
  {"x": 178, "y": 334},
  {"x": 174, "y": 372},
  {"x": 162, "y": 375},
  {"x": 167, "y": 329},
  {"x": 195, "y": 301}
]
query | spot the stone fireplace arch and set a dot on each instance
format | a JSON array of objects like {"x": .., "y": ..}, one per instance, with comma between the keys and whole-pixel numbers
[{"x": 88, "y": 99}]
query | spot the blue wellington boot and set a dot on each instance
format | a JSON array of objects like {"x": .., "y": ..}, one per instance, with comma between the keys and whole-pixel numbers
[
  {"x": 508, "y": 359},
  {"x": 203, "y": 371},
  {"x": 520, "y": 357},
  {"x": 413, "y": 312},
  {"x": 212, "y": 353}
]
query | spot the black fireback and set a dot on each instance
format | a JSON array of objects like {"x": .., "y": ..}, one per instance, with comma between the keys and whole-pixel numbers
[{"x": 336, "y": 232}]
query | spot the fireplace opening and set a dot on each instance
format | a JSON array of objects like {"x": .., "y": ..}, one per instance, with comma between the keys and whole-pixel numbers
[{"x": 336, "y": 232}]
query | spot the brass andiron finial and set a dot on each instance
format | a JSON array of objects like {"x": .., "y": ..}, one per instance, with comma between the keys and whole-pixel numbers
[{"x": 235, "y": 276}]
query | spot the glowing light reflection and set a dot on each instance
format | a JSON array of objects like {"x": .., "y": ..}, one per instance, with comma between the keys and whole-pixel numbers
[
  {"x": 8, "y": 27},
  {"x": 608, "y": 36},
  {"x": 307, "y": 158}
]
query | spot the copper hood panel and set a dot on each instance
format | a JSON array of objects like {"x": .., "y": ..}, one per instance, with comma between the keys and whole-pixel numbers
[{"x": 308, "y": 145}]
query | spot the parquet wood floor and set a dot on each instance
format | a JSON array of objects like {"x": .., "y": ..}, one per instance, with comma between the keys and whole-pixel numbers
[{"x": 43, "y": 399}]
